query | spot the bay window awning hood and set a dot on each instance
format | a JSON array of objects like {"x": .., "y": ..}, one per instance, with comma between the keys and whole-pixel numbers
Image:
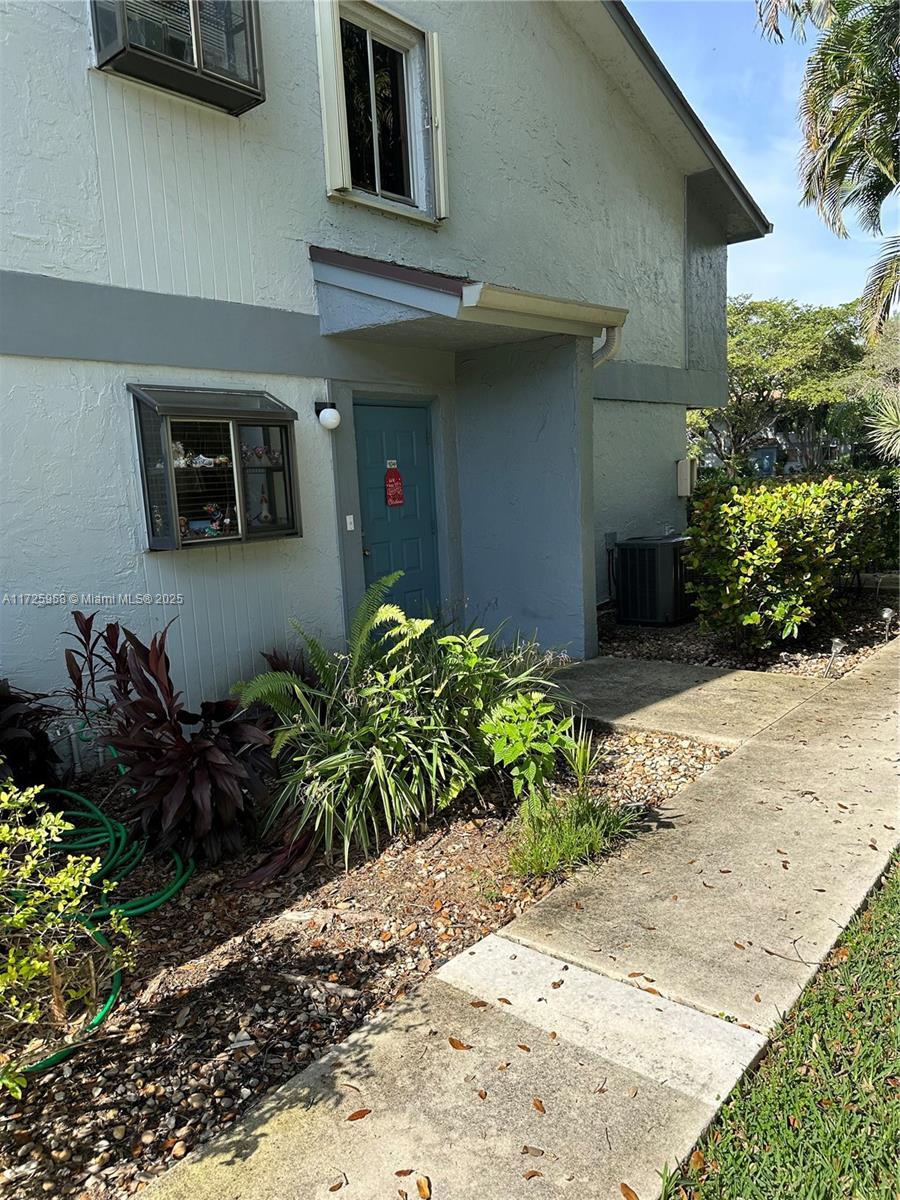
[{"x": 367, "y": 298}]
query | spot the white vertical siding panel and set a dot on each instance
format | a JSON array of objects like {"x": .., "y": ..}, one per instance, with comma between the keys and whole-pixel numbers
[
  {"x": 218, "y": 233},
  {"x": 166, "y": 118},
  {"x": 199, "y": 198},
  {"x": 109, "y": 196},
  {"x": 181, "y": 163},
  {"x": 137, "y": 167},
  {"x": 122, "y": 184},
  {"x": 241, "y": 213},
  {"x": 156, "y": 203},
  {"x": 176, "y": 213}
]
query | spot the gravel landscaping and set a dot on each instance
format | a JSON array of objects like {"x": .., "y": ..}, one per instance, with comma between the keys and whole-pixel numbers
[
  {"x": 236, "y": 990},
  {"x": 859, "y": 625}
]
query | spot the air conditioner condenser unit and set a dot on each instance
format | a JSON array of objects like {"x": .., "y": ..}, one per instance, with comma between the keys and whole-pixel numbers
[{"x": 650, "y": 575}]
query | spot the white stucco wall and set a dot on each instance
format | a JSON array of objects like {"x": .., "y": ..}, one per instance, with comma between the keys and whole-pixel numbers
[
  {"x": 555, "y": 185},
  {"x": 73, "y": 521},
  {"x": 636, "y": 447}
]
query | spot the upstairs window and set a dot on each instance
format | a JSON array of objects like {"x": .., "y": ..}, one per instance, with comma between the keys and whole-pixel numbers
[
  {"x": 205, "y": 49},
  {"x": 382, "y": 109},
  {"x": 215, "y": 466}
]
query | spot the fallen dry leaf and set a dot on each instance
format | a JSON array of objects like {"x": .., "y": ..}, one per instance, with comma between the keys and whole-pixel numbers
[
  {"x": 628, "y": 1192},
  {"x": 758, "y": 998},
  {"x": 522, "y": 1046},
  {"x": 552, "y": 1035},
  {"x": 423, "y": 1187},
  {"x": 632, "y": 1092},
  {"x": 842, "y": 954},
  {"x": 538, "y": 1105},
  {"x": 403, "y": 1174},
  {"x": 478, "y": 1003},
  {"x": 740, "y": 945},
  {"x": 503, "y": 1000},
  {"x": 635, "y": 974},
  {"x": 482, "y": 1094},
  {"x": 557, "y": 983},
  {"x": 532, "y": 1174},
  {"x": 697, "y": 1160},
  {"x": 534, "y": 1151},
  {"x": 650, "y": 991},
  {"x": 338, "y": 1184},
  {"x": 359, "y": 1114},
  {"x": 457, "y": 1044}
]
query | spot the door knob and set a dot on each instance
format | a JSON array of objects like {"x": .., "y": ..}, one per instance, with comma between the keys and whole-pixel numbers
[{"x": 366, "y": 553}]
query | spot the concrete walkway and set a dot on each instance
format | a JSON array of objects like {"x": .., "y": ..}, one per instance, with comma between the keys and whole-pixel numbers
[
  {"x": 588, "y": 1048},
  {"x": 708, "y": 703}
]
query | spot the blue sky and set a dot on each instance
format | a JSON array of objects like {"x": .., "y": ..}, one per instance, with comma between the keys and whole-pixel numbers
[{"x": 745, "y": 91}]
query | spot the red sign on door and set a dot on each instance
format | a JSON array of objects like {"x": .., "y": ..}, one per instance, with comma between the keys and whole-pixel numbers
[{"x": 393, "y": 487}]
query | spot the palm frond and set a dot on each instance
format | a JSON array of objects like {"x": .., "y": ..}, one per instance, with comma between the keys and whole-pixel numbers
[
  {"x": 882, "y": 291},
  {"x": 883, "y": 424},
  {"x": 769, "y": 14}
]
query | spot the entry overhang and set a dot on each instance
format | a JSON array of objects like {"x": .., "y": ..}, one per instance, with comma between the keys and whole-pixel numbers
[{"x": 369, "y": 298}]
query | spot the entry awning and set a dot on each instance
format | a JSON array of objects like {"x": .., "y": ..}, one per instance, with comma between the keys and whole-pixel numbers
[{"x": 384, "y": 301}]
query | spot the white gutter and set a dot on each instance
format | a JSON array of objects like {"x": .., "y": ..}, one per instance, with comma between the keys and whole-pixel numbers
[
  {"x": 491, "y": 304},
  {"x": 611, "y": 346}
]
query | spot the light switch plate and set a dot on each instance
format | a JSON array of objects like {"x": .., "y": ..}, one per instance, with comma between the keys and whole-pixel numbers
[{"x": 351, "y": 524}]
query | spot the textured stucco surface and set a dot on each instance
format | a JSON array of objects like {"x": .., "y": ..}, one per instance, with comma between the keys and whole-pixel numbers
[
  {"x": 636, "y": 446},
  {"x": 523, "y": 421},
  {"x": 706, "y": 288},
  {"x": 556, "y": 185},
  {"x": 72, "y": 517}
]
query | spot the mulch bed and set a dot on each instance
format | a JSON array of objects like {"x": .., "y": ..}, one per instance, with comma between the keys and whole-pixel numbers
[
  {"x": 234, "y": 990},
  {"x": 858, "y": 623}
]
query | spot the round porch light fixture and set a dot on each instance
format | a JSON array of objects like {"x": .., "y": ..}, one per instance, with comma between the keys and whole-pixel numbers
[{"x": 329, "y": 417}]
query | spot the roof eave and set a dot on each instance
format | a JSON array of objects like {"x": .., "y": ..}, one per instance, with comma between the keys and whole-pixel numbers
[{"x": 748, "y": 221}]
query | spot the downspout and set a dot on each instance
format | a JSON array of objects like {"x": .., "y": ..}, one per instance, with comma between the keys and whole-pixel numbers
[{"x": 610, "y": 347}]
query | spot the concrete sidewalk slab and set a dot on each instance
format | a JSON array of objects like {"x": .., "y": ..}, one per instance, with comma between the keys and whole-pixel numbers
[
  {"x": 680, "y": 1047},
  {"x": 707, "y": 703},
  {"x": 428, "y": 1116},
  {"x": 752, "y": 873},
  {"x": 727, "y": 906}
]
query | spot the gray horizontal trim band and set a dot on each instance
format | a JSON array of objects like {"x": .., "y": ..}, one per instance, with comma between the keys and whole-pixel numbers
[
  {"x": 43, "y": 317},
  {"x": 662, "y": 385}
]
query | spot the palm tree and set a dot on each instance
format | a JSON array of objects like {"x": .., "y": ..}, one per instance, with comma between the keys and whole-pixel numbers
[{"x": 850, "y": 159}]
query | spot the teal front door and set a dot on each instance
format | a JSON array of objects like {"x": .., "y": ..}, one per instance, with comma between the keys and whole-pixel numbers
[{"x": 402, "y": 536}]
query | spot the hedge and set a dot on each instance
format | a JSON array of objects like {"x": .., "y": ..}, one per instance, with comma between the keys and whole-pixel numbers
[{"x": 767, "y": 556}]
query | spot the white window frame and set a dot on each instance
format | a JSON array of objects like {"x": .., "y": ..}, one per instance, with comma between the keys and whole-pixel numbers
[{"x": 424, "y": 99}]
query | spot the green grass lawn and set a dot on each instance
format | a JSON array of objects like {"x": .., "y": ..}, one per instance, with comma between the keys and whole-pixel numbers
[{"x": 820, "y": 1119}]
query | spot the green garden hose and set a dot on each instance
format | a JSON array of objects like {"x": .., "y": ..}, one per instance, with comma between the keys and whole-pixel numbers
[
  {"x": 58, "y": 1056},
  {"x": 97, "y": 834}
]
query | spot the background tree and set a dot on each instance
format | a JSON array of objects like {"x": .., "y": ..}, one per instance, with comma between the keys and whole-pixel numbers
[
  {"x": 850, "y": 159},
  {"x": 787, "y": 370}
]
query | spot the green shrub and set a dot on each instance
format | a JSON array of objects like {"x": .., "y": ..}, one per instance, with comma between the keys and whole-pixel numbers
[
  {"x": 767, "y": 557},
  {"x": 53, "y": 971},
  {"x": 527, "y": 736},
  {"x": 391, "y": 732}
]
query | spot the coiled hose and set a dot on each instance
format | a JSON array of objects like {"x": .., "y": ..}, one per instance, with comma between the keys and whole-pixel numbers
[{"x": 97, "y": 834}]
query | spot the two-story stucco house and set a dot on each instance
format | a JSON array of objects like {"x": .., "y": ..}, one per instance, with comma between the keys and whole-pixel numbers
[{"x": 489, "y": 237}]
